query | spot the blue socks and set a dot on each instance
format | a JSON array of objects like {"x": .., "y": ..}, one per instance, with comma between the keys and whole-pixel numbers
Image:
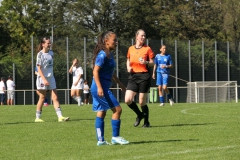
[
  {"x": 161, "y": 98},
  {"x": 115, "y": 127},
  {"x": 99, "y": 126}
]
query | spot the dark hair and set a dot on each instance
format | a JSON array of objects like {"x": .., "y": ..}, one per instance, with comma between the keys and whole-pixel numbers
[
  {"x": 162, "y": 46},
  {"x": 2, "y": 78},
  {"x": 10, "y": 76},
  {"x": 101, "y": 44},
  {"x": 43, "y": 40}
]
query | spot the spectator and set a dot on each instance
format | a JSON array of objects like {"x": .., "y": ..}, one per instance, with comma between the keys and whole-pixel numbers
[
  {"x": 10, "y": 90},
  {"x": 2, "y": 90},
  {"x": 86, "y": 92}
]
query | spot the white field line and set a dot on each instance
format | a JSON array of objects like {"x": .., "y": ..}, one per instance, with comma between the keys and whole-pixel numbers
[
  {"x": 158, "y": 155},
  {"x": 186, "y": 111}
]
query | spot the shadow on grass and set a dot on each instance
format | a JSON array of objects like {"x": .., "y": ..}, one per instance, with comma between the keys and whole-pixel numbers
[
  {"x": 16, "y": 123},
  {"x": 179, "y": 125},
  {"x": 74, "y": 120},
  {"x": 82, "y": 119},
  {"x": 172, "y": 140}
]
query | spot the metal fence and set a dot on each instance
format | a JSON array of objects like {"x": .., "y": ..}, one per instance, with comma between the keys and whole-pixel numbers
[{"x": 193, "y": 61}]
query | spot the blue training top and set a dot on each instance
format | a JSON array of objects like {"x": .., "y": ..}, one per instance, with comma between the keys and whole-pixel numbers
[
  {"x": 106, "y": 72},
  {"x": 163, "y": 60}
]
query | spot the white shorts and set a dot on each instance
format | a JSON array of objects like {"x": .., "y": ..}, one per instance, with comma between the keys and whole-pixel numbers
[
  {"x": 41, "y": 86},
  {"x": 10, "y": 94},
  {"x": 79, "y": 85}
]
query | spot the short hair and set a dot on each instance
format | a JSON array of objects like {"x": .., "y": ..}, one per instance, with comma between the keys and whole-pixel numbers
[{"x": 2, "y": 78}]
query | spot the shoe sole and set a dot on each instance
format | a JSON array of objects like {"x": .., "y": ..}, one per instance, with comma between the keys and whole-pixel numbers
[
  {"x": 116, "y": 143},
  {"x": 66, "y": 119},
  {"x": 135, "y": 125}
]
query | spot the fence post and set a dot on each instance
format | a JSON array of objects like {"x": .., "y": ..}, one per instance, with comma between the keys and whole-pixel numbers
[
  {"x": 85, "y": 59},
  {"x": 176, "y": 71},
  {"x": 67, "y": 53},
  {"x": 189, "y": 66},
  {"x": 33, "y": 67},
  {"x": 203, "y": 71},
  {"x": 216, "y": 74}
]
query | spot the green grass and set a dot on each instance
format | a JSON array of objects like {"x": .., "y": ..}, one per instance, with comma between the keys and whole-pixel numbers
[{"x": 183, "y": 131}]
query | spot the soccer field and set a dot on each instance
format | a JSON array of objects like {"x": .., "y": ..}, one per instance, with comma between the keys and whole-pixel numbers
[{"x": 183, "y": 131}]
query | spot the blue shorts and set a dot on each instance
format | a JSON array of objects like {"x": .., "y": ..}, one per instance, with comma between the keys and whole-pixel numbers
[
  {"x": 104, "y": 103},
  {"x": 162, "y": 79},
  {"x": 2, "y": 97}
]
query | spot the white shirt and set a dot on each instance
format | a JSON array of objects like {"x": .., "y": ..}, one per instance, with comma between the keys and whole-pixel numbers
[
  {"x": 2, "y": 87},
  {"x": 85, "y": 88},
  {"x": 45, "y": 60},
  {"x": 10, "y": 85},
  {"x": 76, "y": 73}
]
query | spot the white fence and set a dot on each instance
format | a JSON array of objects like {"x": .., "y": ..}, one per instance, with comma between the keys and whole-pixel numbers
[{"x": 29, "y": 97}]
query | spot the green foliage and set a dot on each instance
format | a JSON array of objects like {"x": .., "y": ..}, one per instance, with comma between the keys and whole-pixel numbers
[
  {"x": 161, "y": 19},
  {"x": 184, "y": 131},
  {"x": 22, "y": 63}
]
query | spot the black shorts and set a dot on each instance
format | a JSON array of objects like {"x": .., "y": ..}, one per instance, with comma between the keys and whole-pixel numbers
[
  {"x": 139, "y": 82},
  {"x": 86, "y": 95}
]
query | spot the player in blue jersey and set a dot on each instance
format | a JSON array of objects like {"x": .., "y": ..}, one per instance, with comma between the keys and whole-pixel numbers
[
  {"x": 162, "y": 64},
  {"x": 46, "y": 81},
  {"x": 103, "y": 98}
]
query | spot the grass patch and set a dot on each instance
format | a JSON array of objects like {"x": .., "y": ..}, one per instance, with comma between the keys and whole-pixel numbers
[{"x": 183, "y": 131}]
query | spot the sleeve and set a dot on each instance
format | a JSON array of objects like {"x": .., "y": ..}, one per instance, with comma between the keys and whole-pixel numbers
[
  {"x": 81, "y": 70},
  {"x": 128, "y": 53},
  {"x": 150, "y": 54},
  {"x": 170, "y": 60},
  {"x": 100, "y": 60},
  {"x": 155, "y": 60},
  {"x": 39, "y": 59}
]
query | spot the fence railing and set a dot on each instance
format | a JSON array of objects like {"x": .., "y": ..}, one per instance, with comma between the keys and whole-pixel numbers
[{"x": 30, "y": 97}]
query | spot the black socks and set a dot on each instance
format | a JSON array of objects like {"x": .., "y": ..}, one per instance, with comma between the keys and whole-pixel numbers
[
  {"x": 145, "y": 111},
  {"x": 135, "y": 108}
]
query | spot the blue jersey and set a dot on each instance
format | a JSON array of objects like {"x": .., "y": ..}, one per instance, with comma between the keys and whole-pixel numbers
[
  {"x": 106, "y": 72},
  {"x": 163, "y": 60}
]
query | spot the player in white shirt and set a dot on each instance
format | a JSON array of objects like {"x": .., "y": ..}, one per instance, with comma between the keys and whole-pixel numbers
[
  {"x": 86, "y": 92},
  {"x": 2, "y": 90},
  {"x": 10, "y": 90},
  {"x": 77, "y": 85},
  {"x": 46, "y": 80}
]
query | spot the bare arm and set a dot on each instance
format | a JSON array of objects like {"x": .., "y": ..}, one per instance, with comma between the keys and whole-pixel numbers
[
  {"x": 42, "y": 76},
  {"x": 129, "y": 68},
  {"x": 154, "y": 71},
  {"x": 73, "y": 64},
  {"x": 115, "y": 78},
  {"x": 97, "y": 80},
  {"x": 70, "y": 69}
]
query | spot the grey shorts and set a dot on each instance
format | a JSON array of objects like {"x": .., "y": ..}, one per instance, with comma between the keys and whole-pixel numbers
[{"x": 10, "y": 94}]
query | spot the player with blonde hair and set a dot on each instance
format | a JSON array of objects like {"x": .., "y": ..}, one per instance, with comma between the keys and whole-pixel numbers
[{"x": 77, "y": 84}]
